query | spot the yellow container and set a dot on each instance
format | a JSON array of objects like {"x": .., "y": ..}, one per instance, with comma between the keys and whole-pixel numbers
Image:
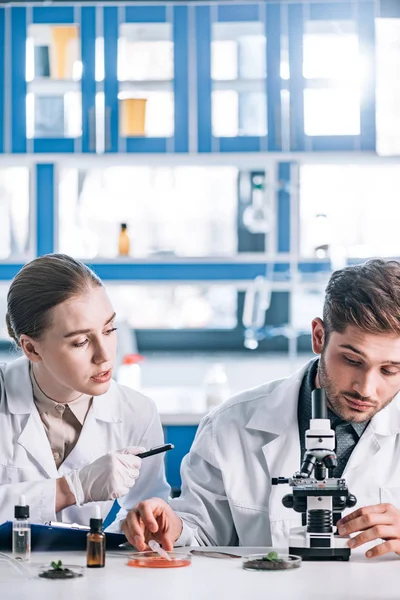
[
  {"x": 62, "y": 37},
  {"x": 132, "y": 117}
]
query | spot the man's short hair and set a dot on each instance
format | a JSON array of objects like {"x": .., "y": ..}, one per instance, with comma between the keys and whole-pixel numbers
[{"x": 366, "y": 296}]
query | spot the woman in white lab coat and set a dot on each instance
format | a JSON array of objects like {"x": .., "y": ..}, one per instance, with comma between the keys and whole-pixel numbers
[{"x": 69, "y": 433}]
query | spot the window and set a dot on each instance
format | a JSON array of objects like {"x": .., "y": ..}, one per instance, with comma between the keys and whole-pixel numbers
[
  {"x": 349, "y": 211},
  {"x": 15, "y": 236},
  {"x": 170, "y": 212},
  {"x": 53, "y": 74},
  {"x": 238, "y": 72},
  {"x": 333, "y": 71},
  {"x": 170, "y": 306},
  {"x": 387, "y": 86},
  {"x": 146, "y": 74}
]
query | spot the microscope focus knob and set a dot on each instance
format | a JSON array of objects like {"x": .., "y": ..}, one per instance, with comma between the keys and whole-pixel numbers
[
  {"x": 351, "y": 500},
  {"x": 288, "y": 501}
]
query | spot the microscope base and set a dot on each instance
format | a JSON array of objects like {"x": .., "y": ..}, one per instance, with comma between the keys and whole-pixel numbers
[
  {"x": 321, "y": 553},
  {"x": 318, "y": 546}
]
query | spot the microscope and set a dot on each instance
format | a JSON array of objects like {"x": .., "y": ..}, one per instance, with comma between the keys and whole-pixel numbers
[{"x": 318, "y": 496}]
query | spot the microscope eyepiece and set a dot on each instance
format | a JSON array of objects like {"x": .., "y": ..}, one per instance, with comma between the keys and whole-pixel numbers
[{"x": 319, "y": 409}]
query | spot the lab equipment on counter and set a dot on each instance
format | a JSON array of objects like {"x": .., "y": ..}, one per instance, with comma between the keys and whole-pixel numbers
[
  {"x": 216, "y": 387},
  {"x": 129, "y": 373},
  {"x": 68, "y": 525},
  {"x": 124, "y": 243},
  {"x": 256, "y": 303},
  {"x": 96, "y": 542},
  {"x": 259, "y": 216},
  {"x": 213, "y": 553},
  {"x": 273, "y": 561},
  {"x": 320, "y": 499},
  {"x": 57, "y": 570},
  {"x": 17, "y": 566},
  {"x": 21, "y": 531},
  {"x": 152, "y": 560},
  {"x": 155, "y": 546}
]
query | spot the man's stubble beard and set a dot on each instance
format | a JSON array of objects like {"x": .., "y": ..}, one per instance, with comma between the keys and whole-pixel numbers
[{"x": 333, "y": 398}]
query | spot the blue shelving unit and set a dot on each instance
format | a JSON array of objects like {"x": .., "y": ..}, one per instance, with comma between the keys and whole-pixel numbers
[
  {"x": 177, "y": 17},
  {"x": 268, "y": 15},
  {"x": 192, "y": 30},
  {"x": 20, "y": 19},
  {"x": 362, "y": 17}
]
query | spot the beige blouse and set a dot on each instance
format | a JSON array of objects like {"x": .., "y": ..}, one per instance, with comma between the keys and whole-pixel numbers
[{"x": 62, "y": 422}]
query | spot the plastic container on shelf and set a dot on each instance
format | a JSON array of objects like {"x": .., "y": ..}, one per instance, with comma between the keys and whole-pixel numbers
[
  {"x": 133, "y": 117},
  {"x": 129, "y": 373},
  {"x": 216, "y": 387}
]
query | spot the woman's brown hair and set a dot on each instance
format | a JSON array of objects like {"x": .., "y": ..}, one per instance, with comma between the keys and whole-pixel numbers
[{"x": 38, "y": 287}]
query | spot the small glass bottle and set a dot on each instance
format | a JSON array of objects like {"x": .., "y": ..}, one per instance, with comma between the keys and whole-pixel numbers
[
  {"x": 96, "y": 542},
  {"x": 21, "y": 537},
  {"x": 124, "y": 243}
]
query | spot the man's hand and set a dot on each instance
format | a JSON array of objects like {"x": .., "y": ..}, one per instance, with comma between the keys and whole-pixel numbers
[
  {"x": 152, "y": 519},
  {"x": 373, "y": 522}
]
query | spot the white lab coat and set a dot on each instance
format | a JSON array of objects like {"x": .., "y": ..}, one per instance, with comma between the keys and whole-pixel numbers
[
  {"x": 227, "y": 497},
  {"x": 119, "y": 418}
]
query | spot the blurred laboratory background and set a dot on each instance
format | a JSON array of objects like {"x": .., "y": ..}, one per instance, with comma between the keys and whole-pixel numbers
[{"x": 213, "y": 162}]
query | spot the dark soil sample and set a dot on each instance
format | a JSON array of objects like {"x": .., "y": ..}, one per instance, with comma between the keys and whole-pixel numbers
[
  {"x": 271, "y": 562},
  {"x": 59, "y": 574}
]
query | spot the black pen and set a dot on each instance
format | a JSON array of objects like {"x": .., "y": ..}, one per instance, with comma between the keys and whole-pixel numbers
[{"x": 156, "y": 450}]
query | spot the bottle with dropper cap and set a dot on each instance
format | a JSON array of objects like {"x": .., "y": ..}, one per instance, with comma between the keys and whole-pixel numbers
[
  {"x": 96, "y": 542},
  {"x": 21, "y": 538}
]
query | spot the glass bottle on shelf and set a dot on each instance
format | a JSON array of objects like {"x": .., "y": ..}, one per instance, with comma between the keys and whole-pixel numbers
[{"x": 124, "y": 242}]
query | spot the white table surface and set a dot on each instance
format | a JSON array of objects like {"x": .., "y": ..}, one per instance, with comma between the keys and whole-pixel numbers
[{"x": 209, "y": 579}]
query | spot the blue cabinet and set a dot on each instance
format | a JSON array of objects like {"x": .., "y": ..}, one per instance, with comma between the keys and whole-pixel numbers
[
  {"x": 178, "y": 78},
  {"x": 238, "y": 78},
  {"x": 146, "y": 78},
  {"x": 332, "y": 76},
  {"x": 52, "y": 79}
]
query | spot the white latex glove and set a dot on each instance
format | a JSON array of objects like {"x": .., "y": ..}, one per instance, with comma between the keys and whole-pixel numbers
[{"x": 109, "y": 477}]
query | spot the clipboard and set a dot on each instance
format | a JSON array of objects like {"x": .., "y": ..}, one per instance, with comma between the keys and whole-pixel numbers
[{"x": 51, "y": 537}]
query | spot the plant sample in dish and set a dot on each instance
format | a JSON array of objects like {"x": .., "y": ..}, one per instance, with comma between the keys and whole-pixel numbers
[
  {"x": 273, "y": 561},
  {"x": 59, "y": 571}
]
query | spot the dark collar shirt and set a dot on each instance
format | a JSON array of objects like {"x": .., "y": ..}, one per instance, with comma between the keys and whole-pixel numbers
[{"x": 347, "y": 433}]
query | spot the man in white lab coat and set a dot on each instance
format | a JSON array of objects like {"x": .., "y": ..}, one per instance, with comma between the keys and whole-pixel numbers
[{"x": 227, "y": 497}]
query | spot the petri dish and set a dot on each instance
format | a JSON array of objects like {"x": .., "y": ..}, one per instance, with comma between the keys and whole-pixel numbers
[
  {"x": 67, "y": 572},
  {"x": 279, "y": 562},
  {"x": 152, "y": 560}
]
